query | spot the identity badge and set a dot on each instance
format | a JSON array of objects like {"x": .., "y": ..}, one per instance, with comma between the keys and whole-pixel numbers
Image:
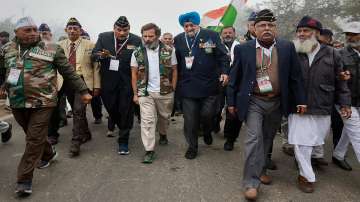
[
  {"x": 189, "y": 61},
  {"x": 114, "y": 65},
  {"x": 264, "y": 84},
  {"x": 14, "y": 76}
]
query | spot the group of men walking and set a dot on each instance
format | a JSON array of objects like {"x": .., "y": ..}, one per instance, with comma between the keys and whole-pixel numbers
[{"x": 263, "y": 78}]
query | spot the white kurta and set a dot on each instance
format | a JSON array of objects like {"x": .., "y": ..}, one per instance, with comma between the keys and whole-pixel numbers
[{"x": 308, "y": 130}]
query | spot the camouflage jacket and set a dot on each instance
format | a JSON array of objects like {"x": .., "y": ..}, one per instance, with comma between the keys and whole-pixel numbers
[
  {"x": 165, "y": 70},
  {"x": 36, "y": 83}
]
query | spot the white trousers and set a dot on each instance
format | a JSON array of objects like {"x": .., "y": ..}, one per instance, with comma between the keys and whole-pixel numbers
[
  {"x": 303, "y": 158},
  {"x": 154, "y": 109},
  {"x": 350, "y": 134}
]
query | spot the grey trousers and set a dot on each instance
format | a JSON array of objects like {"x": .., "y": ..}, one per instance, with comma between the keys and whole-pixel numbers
[{"x": 262, "y": 121}]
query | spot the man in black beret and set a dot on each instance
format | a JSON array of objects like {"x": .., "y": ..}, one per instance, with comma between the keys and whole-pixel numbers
[
  {"x": 265, "y": 72},
  {"x": 45, "y": 33},
  {"x": 113, "y": 50}
]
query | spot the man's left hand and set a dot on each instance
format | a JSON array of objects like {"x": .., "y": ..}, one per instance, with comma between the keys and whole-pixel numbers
[
  {"x": 86, "y": 98},
  {"x": 345, "y": 112},
  {"x": 224, "y": 79}
]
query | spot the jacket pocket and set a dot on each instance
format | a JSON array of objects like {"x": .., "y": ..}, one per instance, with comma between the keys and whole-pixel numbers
[{"x": 327, "y": 88}]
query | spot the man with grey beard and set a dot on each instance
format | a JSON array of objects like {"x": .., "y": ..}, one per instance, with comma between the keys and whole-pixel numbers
[
  {"x": 351, "y": 131},
  {"x": 153, "y": 79},
  {"x": 321, "y": 68}
]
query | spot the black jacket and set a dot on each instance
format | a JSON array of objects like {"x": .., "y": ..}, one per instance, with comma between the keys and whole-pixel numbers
[
  {"x": 243, "y": 77},
  {"x": 202, "y": 80},
  {"x": 322, "y": 83},
  {"x": 351, "y": 62}
]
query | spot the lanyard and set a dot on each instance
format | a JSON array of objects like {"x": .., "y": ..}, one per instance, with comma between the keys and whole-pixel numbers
[
  {"x": 75, "y": 48},
  {"x": 263, "y": 60},
  {"x": 193, "y": 44},
  {"x": 117, "y": 51},
  {"x": 23, "y": 55}
]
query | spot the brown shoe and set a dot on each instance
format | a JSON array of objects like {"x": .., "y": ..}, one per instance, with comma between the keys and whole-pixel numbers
[
  {"x": 304, "y": 185},
  {"x": 265, "y": 179},
  {"x": 250, "y": 194},
  {"x": 74, "y": 150}
]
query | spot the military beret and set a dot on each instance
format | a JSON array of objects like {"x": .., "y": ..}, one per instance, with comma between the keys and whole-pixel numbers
[
  {"x": 74, "y": 22},
  {"x": 252, "y": 16},
  {"x": 44, "y": 28},
  {"x": 193, "y": 17},
  {"x": 4, "y": 34},
  {"x": 265, "y": 15},
  {"x": 310, "y": 22},
  {"x": 122, "y": 21}
]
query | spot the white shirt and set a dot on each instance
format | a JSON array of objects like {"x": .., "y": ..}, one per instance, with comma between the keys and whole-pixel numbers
[
  {"x": 267, "y": 51},
  {"x": 312, "y": 55},
  {"x": 231, "y": 50},
  {"x": 154, "y": 71}
]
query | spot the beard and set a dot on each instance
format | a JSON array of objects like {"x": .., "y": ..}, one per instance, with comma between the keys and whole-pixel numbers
[
  {"x": 305, "y": 46},
  {"x": 228, "y": 39},
  {"x": 152, "y": 45},
  {"x": 353, "y": 44}
]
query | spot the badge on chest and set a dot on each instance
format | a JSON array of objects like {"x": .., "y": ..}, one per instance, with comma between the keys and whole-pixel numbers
[{"x": 41, "y": 54}]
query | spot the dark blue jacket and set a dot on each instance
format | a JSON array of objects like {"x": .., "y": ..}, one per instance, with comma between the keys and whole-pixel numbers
[
  {"x": 202, "y": 80},
  {"x": 243, "y": 77}
]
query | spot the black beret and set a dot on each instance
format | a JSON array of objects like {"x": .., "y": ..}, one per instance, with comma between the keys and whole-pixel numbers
[
  {"x": 122, "y": 21},
  {"x": 310, "y": 22},
  {"x": 265, "y": 15},
  {"x": 326, "y": 32}
]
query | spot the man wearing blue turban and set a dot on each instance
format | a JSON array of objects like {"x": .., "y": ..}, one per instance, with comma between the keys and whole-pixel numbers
[{"x": 203, "y": 67}]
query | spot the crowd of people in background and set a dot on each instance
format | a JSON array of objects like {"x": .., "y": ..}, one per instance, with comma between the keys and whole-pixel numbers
[{"x": 301, "y": 88}]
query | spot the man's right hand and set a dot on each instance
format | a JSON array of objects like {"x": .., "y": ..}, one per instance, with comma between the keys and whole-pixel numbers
[
  {"x": 136, "y": 99},
  {"x": 104, "y": 53}
]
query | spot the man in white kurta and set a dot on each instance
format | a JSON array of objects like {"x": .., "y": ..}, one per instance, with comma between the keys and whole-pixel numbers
[{"x": 320, "y": 68}]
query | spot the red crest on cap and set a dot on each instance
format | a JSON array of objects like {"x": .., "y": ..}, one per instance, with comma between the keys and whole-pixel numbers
[{"x": 312, "y": 23}]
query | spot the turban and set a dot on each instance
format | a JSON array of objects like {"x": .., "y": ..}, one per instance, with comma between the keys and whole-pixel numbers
[
  {"x": 193, "y": 17},
  {"x": 310, "y": 22},
  {"x": 25, "y": 22},
  {"x": 265, "y": 15},
  {"x": 122, "y": 22},
  {"x": 73, "y": 21}
]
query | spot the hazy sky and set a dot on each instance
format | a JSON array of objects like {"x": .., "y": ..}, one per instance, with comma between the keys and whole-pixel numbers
[{"x": 97, "y": 16}]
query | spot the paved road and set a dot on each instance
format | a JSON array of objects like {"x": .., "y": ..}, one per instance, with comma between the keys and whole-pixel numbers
[{"x": 100, "y": 174}]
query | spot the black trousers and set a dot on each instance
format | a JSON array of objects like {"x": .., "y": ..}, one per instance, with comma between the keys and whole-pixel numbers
[
  {"x": 96, "y": 107},
  {"x": 232, "y": 127},
  {"x": 120, "y": 107},
  {"x": 336, "y": 126},
  {"x": 198, "y": 111},
  {"x": 57, "y": 115}
]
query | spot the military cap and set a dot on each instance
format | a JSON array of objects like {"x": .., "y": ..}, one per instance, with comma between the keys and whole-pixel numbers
[
  {"x": 44, "y": 28},
  {"x": 122, "y": 21},
  {"x": 73, "y": 21},
  {"x": 265, "y": 15}
]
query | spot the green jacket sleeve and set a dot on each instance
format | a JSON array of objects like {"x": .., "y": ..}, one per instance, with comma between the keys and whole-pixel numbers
[{"x": 67, "y": 71}]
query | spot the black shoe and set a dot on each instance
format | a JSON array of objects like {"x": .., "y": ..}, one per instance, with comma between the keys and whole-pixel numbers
[
  {"x": 190, "y": 154},
  {"x": 288, "y": 150},
  {"x": 74, "y": 150},
  {"x": 342, "y": 164},
  {"x": 69, "y": 114},
  {"x": 271, "y": 165},
  {"x": 23, "y": 189},
  {"x": 63, "y": 123},
  {"x": 44, "y": 164},
  {"x": 53, "y": 140},
  {"x": 229, "y": 145},
  {"x": 6, "y": 136},
  {"x": 98, "y": 121},
  {"x": 163, "y": 140},
  {"x": 208, "y": 139}
]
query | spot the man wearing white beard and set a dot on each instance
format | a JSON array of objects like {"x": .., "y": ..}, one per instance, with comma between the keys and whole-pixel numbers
[
  {"x": 351, "y": 131},
  {"x": 321, "y": 68}
]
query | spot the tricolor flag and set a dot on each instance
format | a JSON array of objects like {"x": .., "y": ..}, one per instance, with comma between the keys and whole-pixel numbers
[{"x": 226, "y": 16}]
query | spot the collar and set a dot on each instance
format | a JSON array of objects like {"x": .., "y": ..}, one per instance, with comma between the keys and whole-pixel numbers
[
  {"x": 356, "y": 51},
  {"x": 317, "y": 49},
  {"x": 76, "y": 42},
  {"x": 267, "y": 51}
]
